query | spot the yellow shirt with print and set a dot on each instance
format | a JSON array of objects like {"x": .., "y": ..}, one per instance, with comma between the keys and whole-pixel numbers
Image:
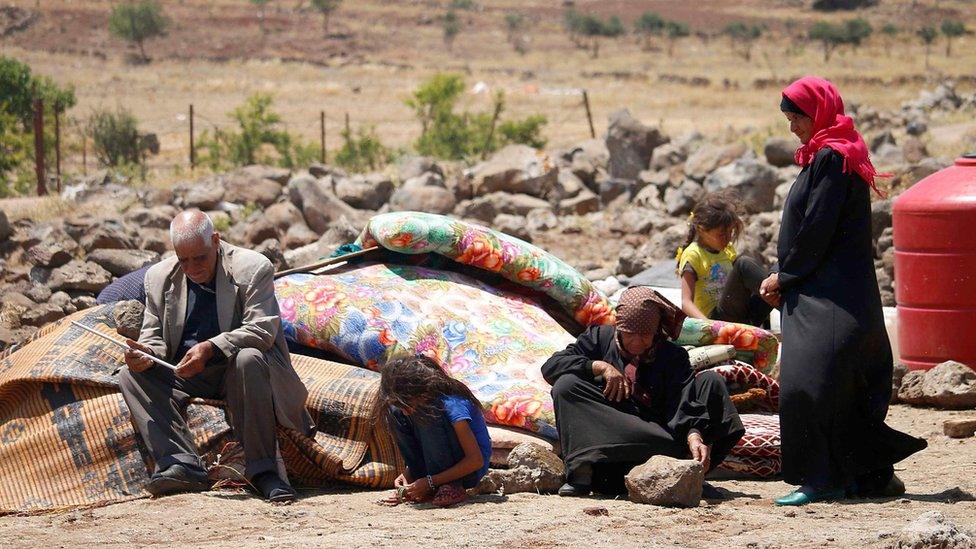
[{"x": 712, "y": 270}]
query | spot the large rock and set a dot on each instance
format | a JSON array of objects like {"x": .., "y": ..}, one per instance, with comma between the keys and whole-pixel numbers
[
  {"x": 318, "y": 204},
  {"x": 513, "y": 169},
  {"x": 567, "y": 185},
  {"x": 910, "y": 391},
  {"x": 284, "y": 215},
  {"x": 415, "y": 166},
  {"x": 680, "y": 200},
  {"x": 123, "y": 262},
  {"x": 755, "y": 183},
  {"x": 666, "y": 481},
  {"x": 128, "y": 318},
  {"x": 583, "y": 203},
  {"x": 271, "y": 249},
  {"x": 614, "y": 192},
  {"x": 273, "y": 173},
  {"x": 914, "y": 150},
  {"x": 950, "y": 385},
  {"x": 79, "y": 275},
  {"x": 880, "y": 217},
  {"x": 41, "y": 314},
  {"x": 513, "y": 225},
  {"x": 204, "y": 195},
  {"x": 932, "y": 530},
  {"x": 541, "y": 220},
  {"x": 516, "y": 204},
  {"x": 257, "y": 229},
  {"x": 637, "y": 220},
  {"x": 532, "y": 468},
  {"x": 158, "y": 217},
  {"x": 480, "y": 208},
  {"x": 588, "y": 161},
  {"x": 247, "y": 187},
  {"x": 110, "y": 234},
  {"x": 5, "y": 229},
  {"x": 298, "y": 235},
  {"x": 959, "y": 428},
  {"x": 630, "y": 144},
  {"x": 367, "y": 192},
  {"x": 428, "y": 199},
  {"x": 52, "y": 251},
  {"x": 779, "y": 151},
  {"x": 708, "y": 158}
]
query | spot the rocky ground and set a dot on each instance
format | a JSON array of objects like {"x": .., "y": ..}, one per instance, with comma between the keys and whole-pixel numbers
[
  {"x": 615, "y": 206},
  {"x": 940, "y": 480}
]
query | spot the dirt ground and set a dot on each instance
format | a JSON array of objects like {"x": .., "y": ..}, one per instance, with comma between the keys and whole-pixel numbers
[{"x": 942, "y": 478}]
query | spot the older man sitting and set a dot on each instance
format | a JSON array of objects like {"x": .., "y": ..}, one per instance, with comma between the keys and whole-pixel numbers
[{"x": 211, "y": 310}]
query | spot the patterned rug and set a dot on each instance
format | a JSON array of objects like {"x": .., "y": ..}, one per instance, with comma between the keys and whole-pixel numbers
[{"x": 66, "y": 438}]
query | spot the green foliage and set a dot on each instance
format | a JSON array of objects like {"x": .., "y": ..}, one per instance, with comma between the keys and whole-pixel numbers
[
  {"x": 18, "y": 89},
  {"x": 363, "y": 151},
  {"x": 326, "y": 8},
  {"x": 514, "y": 24},
  {"x": 138, "y": 22},
  {"x": 259, "y": 139},
  {"x": 448, "y": 134},
  {"x": 856, "y": 31},
  {"x": 452, "y": 26},
  {"x": 952, "y": 29},
  {"x": 927, "y": 34},
  {"x": 649, "y": 23},
  {"x": 115, "y": 138},
  {"x": 743, "y": 36},
  {"x": 890, "y": 29},
  {"x": 852, "y": 32},
  {"x": 463, "y": 4},
  {"x": 590, "y": 26}
]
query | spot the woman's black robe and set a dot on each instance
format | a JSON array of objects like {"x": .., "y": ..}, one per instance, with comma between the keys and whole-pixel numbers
[
  {"x": 615, "y": 436},
  {"x": 836, "y": 364}
]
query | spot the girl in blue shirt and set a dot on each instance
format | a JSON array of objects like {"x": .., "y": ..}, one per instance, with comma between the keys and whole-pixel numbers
[{"x": 439, "y": 428}]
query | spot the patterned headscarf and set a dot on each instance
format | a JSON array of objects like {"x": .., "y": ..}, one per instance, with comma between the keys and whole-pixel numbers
[{"x": 643, "y": 310}]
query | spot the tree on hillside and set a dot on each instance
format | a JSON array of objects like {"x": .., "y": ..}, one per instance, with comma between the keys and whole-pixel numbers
[
  {"x": 592, "y": 27},
  {"x": 675, "y": 30},
  {"x": 452, "y": 26},
  {"x": 952, "y": 29},
  {"x": 649, "y": 24},
  {"x": 515, "y": 24},
  {"x": 856, "y": 31},
  {"x": 836, "y": 5},
  {"x": 262, "y": 5},
  {"x": 927, "y": 35},
  {"x": 326, "y": 8},
  {"x": 890, "y": 31},
  {"x": 829, "y": 36},
  {"x": 743, "y": 37},
  {"x": 137, "y": 22}
]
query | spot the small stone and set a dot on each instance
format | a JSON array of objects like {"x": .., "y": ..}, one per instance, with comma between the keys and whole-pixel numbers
[
  {"x": 666, "y": 481},
  {"x": 959, "y": 428},
  {"x": 950, "y": 385},
  {"x": 933, "y": 529},
  {"x": 42, "y": 314},
  {"x": 790, "y": 514},
  {"x": 596, "y": 511},
  {"x": 532, "y": 468}
]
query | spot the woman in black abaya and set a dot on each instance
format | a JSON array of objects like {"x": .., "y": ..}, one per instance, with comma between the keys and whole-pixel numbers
[
  {"x": 625, "y": 393},
  {"x": 836, "y": 363}
]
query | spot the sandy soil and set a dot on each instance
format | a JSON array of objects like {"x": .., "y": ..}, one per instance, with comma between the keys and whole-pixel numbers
[{"x": 942, "y": 478}]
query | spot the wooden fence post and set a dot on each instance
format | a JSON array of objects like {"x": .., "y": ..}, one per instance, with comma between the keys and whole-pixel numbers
[
  {"x": 589, "y": 116},
  {"x": 39, "y": 147},
  {"x": 322, "y": 135},
  {"x": 193, "y": 150}
]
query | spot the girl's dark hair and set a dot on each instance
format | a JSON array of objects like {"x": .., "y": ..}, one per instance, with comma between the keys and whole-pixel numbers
[
  {"x": 718, "y": 209},
  {"x": 418, "y": 382}
]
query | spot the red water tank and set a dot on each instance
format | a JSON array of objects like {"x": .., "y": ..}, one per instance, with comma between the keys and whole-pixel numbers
[{"x": 935, "y": 267}]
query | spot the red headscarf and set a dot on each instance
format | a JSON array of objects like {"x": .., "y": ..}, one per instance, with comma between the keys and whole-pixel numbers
[{"x": 820, "y": 100}]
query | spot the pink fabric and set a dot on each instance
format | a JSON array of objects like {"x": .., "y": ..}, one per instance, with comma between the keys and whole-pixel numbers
[{"x": 821, "y": 101}]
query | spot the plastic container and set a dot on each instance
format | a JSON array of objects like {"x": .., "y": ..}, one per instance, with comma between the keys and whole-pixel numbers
[{"x": 935, "y": 267}]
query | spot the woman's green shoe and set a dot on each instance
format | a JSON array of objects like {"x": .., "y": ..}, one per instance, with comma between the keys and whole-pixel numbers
[{"x": 805, "y": 495}]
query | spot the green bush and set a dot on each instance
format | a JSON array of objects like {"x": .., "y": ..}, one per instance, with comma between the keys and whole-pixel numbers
[
  {"x": 137, "y": 22},
  {"x": 952, "y": 29},
  {"x": 590, "y": 26},
  {"x": 326, "y": 8},
  {"x": 115, "y": 138},
  {"x": 18, "y": 89},
  {"x": 465, "y": 135},
  {"x": 258, "y": 139},
  {"x": 743, "y": 36},
  {"x": 835, "y": 5},
  {"x": 363, "y": 151}
]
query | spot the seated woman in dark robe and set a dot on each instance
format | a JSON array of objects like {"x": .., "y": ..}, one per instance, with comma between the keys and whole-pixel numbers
[{"x": 625, "y": 393}]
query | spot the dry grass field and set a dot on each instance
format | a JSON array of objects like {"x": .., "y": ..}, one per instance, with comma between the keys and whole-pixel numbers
[{"x": 376, "y": 52}]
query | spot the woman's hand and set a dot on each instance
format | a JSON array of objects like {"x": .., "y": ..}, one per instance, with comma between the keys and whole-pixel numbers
[
  {"x": 700, "y": 452},
  {"x": 400, "y": 482},
  {"x": 616, "y": 387},
  {"x": 418, "y": 490},
  {"x": 769, "y": 290}
]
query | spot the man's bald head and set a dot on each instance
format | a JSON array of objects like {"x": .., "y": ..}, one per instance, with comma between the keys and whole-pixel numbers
[
  {"x": 191, "y": 225},
  {"x": 195, "y": 244}
]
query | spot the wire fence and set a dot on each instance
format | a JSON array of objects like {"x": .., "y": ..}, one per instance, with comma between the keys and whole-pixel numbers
[{"x": 178, "y": 136}]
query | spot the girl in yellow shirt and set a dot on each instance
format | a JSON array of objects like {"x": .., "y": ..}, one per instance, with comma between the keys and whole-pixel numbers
[{"x": 716, "y": 282}]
